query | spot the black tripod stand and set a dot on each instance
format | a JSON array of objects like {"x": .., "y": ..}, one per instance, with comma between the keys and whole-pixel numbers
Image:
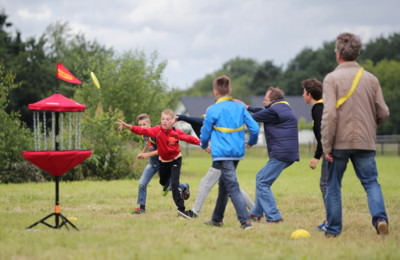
[{"x": 57, "y": 214}]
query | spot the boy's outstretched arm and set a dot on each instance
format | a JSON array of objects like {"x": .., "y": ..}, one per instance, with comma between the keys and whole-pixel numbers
[
  {"x": 205, "y": 132},
  {"x": 151, "y": 132},
  {"x": 253, "y": 127},
  {"x": 187, "y": 138},
  {"x": 195, "y": 122}
]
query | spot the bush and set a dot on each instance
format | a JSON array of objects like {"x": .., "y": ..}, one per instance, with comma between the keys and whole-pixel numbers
[
  {"x": 14, "y": 138},
  {"x": 23, "y": 171},
  {"x": 114, "y": 152}
]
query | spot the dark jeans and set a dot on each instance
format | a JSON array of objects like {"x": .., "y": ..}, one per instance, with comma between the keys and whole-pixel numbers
[
  {"x": 323, "y": 181},
  {"x": 229, "y": 186},
  {"x": 365, "y": 167},
  {"x": 171, "y": 171}
]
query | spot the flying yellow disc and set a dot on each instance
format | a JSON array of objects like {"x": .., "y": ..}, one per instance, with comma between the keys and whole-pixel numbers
[
  {"x": 94, "y": 79},
  {"x": 300, "y": 233}
]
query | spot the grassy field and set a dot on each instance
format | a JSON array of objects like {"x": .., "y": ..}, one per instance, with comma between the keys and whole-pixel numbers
[{"x": 108, "y": 230}]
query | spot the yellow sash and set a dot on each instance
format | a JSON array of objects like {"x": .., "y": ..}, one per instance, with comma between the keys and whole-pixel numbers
[
  {"x": 229, "y": 130},
  {"x": 224, "y": 129},
  {"x": 354, "y": 85}
]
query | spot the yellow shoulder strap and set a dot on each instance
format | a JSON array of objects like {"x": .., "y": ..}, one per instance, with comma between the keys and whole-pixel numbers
[{"x": 354, "y": 85}]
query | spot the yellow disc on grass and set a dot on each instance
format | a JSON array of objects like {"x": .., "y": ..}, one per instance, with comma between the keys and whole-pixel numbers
[
  {"x": 72, "y": 218},
  {"x": 300, "y": 233}
]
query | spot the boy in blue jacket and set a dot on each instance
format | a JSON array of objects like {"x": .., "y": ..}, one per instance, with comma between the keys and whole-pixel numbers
[
  {"x": 224, "y": 125},
  {"x": 281, "y": 134}
]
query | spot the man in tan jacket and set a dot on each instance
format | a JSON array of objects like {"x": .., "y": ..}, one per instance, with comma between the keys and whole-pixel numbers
[{"x": 353, "y": 107}]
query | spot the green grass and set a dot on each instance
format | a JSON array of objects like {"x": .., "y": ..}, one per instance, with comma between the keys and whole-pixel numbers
[{"x": 109, "y": 231}]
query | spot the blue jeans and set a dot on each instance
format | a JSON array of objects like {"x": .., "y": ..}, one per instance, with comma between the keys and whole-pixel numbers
[
  {"x": 151, "y": 168},
  {"x": 365, "y": 167},
  {"x": 228, "y": 185},
  {"x": 265, "y": 201}
]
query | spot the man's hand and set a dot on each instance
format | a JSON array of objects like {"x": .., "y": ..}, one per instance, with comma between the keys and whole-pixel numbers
[
  {"x": 313, "y": 163},
  {"x": 328, "y": 157},
  {"x": 208, "y": 150},
  {"x": 241, "y": 102}
]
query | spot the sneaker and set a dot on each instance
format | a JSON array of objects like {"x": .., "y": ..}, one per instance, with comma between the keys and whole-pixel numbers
[
  {"x": 214, "y": 223},
  {"x": 246, "y": 226},
  {"x": 165, "y": 191},
  {"x": 322, "y": 227},
  {"x": 275, "y": 221},
  {"x": 254, "y": 218},
  {"x": 329, "y": 235},
  {"x": 138, "y": 211},
  {"x": 188, "y": 214},
  {"x": 382, "y": 227},
  {"x": 185, "y": 193}
]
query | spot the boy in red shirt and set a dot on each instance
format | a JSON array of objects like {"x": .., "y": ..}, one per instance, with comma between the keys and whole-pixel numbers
[{"x": 169, "y": 153}]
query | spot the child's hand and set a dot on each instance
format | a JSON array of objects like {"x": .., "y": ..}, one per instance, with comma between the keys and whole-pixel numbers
[
  {"x": 313, "y": 163},
  {"x": 121, "y": 124},
  {"x": 141, "y": 156}
]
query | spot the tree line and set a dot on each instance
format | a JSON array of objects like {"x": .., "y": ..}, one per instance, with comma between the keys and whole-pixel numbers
[{"x": 381, "y": 56}]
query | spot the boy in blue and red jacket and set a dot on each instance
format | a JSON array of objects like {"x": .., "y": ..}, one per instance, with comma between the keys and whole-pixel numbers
[{"x": 224, "y": 126}]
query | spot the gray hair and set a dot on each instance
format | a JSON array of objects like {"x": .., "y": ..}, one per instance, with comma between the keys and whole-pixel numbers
[{"x": 348, "y": 45}]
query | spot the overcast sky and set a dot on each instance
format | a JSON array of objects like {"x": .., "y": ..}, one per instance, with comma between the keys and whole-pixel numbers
[{"x": 197, "y": 36}]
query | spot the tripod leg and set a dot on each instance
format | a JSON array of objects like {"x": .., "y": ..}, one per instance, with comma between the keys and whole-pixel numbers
[
  {"x": 42, "y": 221},
  {"x": 66, "y": 222}
]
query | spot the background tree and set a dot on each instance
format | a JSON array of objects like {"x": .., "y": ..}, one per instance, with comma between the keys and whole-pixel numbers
[
  {"x": 382, "y": 48},
  {"x": 14, "y": 137},
  {"x": 240, "y": 70},
  {"x": 308, "y": 63},
  {"x": 31, "y": 67},
  {"x": 266, "y": 76},
  {"x": 388, "y": 74}
]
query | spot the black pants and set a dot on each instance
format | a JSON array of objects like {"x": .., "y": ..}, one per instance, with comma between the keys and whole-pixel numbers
[{"x": 171, "y": 171}]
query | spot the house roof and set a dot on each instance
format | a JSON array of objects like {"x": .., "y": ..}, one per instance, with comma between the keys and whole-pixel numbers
[{"x": 197, "y": 106}]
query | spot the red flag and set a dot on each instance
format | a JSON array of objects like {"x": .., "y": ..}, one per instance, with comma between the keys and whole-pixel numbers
[{"x": 64, "y": 74}]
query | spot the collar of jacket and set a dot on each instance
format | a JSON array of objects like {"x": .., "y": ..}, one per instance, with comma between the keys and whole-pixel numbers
[
  {"x": 348, "y": 64},
  {"x": 224, "y": 98},
  {"x": 275, "y": 101}
]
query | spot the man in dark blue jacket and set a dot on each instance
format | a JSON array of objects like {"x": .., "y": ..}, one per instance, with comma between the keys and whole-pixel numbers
[{"x": 281, "y": 134}]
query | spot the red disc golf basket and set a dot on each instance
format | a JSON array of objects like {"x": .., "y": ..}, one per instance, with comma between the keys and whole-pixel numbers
[{"x": 56, "y": 124}]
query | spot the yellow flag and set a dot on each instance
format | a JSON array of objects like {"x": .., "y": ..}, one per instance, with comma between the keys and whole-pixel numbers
[{"x": 94, "y": 79}]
